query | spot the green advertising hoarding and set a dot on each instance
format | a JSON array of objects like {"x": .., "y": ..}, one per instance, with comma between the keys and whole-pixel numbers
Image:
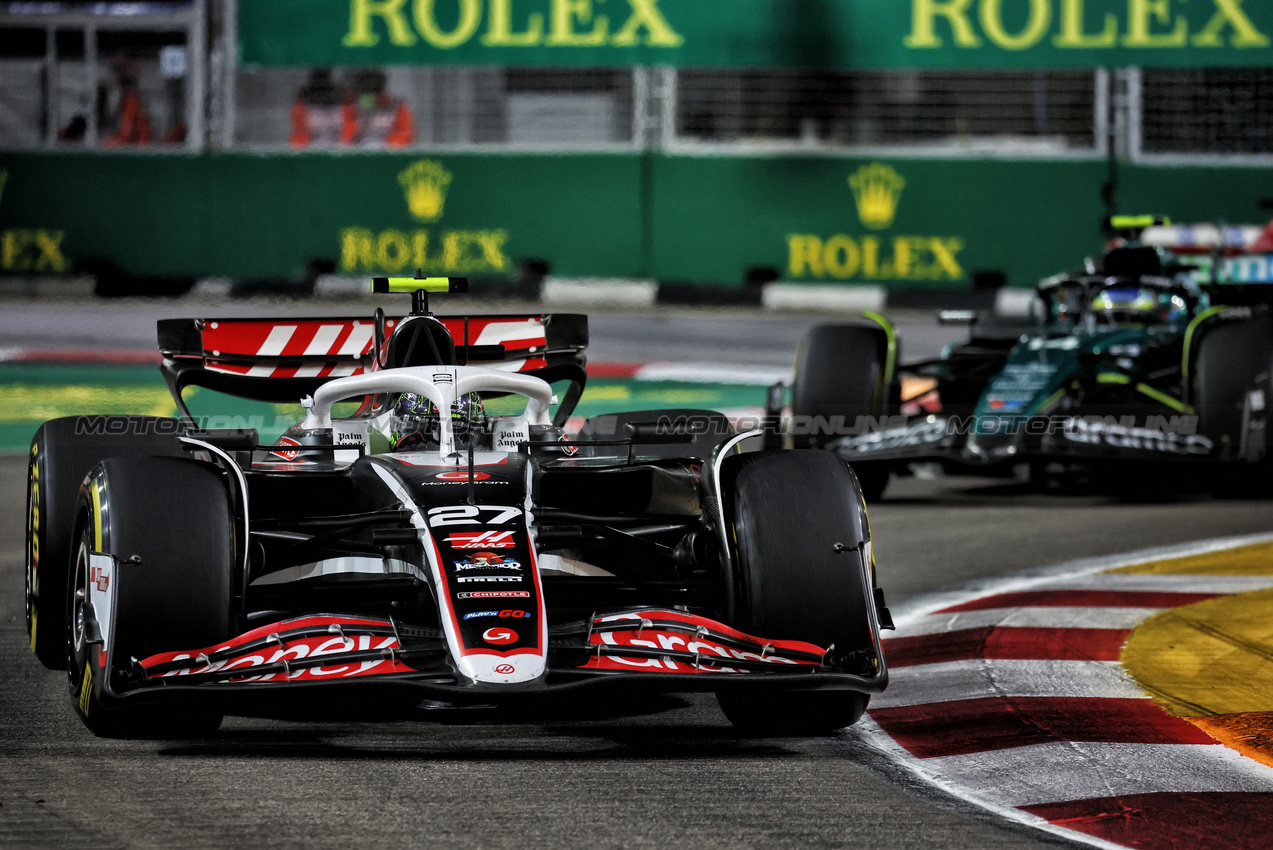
[
  {"x": 821, "y": 220},
  {"x": 910, "y": 223},
  {"x": 837, "y": 34},
  {"x": 254, "y": 216}
]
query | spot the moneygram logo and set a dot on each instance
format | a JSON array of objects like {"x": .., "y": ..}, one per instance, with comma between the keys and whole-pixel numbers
[
  {"x": 499, "y": 636},
  {"x": 461, "y": 475}
]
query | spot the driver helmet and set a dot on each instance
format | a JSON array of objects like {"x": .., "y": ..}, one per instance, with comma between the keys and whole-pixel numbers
[
  {"x": 1135, "y": 304},
  {"x": 414, "y": 421}
]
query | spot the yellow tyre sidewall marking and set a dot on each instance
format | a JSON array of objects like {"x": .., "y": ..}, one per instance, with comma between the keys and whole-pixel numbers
[
  {"x": 34, "y": 553},
  {"x": 96, "y": 519},
  {"x": 86, "y": 689}
]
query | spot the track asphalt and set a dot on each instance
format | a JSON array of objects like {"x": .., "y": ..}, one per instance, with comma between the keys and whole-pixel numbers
[{"x": 1119, "y": 703}]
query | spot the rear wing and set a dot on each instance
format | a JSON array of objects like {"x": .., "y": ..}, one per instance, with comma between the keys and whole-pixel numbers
[
  {"x": 1244, "y": 280},
  {"x": 1202, "y": 238},
  {"x": 1234, "y": 261},
  {"x": 282, "y": 360}
]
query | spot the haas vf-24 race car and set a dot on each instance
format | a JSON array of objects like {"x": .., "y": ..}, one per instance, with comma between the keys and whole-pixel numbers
[
  {"x": 1159, "y": 352},
  {"x": 420, "y": 551}
]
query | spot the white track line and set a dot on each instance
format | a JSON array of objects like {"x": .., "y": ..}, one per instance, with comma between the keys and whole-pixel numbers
[
  {"x": 1164, "y": 582},
  {"x": 1029, "y": 617},
  {"x": 958, "y": 680},
  {"x": 1081, "y": 770}
]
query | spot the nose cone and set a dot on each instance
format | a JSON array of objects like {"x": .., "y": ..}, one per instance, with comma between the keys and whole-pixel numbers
[{"x": 994, "y": 438}]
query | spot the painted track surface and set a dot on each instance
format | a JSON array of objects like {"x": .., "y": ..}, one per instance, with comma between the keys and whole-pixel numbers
[
  {"x": 1126, "y": 711},
  {"x": 670, "y": 774}
]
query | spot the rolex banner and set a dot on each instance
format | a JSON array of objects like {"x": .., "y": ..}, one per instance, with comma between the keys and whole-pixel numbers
[
  {"x": 837, "y": 34},
  {"x": 819, "y": 220}
]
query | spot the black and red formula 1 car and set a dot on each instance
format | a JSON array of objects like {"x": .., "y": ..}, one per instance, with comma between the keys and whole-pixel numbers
[{"x": 420, "y": 551}]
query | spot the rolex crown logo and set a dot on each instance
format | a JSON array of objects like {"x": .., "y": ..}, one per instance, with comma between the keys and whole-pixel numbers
[
  {"x": 877, "y": 188},
  {"x": 425, "y": 182}
]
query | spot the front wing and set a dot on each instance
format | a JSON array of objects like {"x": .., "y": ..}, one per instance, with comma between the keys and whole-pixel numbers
[
  {"x": 982, "y": 441},
  {"x": 656, "y": 650}
]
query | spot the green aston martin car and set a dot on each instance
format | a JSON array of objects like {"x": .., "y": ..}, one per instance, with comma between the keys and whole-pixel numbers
[{"x": 1158, "y": 354}]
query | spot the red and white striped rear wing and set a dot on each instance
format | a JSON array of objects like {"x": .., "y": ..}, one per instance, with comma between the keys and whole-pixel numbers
[{"x": 281, "y": 360}]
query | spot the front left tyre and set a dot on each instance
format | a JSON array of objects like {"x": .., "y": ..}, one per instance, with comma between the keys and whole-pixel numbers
[
  {"x": 799, "y": 529},
  {"x": 167, "y": 523}
]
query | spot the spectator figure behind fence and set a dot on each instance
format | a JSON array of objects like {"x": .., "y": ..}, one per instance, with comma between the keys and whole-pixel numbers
[
  {"x": 380, "y": 120},
  {"x": 129, "y": 119},
  {"x": 319, "y": 113}
]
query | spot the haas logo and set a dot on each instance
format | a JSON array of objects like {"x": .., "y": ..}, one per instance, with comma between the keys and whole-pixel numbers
[
  {"x": 481, "y": 540},
  {"x": 499, "y": 635}
]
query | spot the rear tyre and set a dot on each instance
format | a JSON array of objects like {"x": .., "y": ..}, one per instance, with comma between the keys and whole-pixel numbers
[
  {"x": 841, "y": 372},
  {"x": 62, "y": 451},
  {"x": 790, "y": 510},
  {"x": 172, "y": 515},
  {"x": 1234, "y": 359}
]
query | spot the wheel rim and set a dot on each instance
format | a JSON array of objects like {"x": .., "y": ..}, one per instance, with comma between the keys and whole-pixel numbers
[{"x": 76, "y": 643}]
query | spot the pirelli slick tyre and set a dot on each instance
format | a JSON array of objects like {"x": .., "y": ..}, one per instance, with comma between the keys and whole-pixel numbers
[
  {"x": 1231, "y": 359},
  {"x": 1234, "y": 362},
  {"x": 62, "y": 451},
  {"x": 790, "y": 510},
  {"x": 167, "y": 523},
  {"x": 840, "y": 376}
]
